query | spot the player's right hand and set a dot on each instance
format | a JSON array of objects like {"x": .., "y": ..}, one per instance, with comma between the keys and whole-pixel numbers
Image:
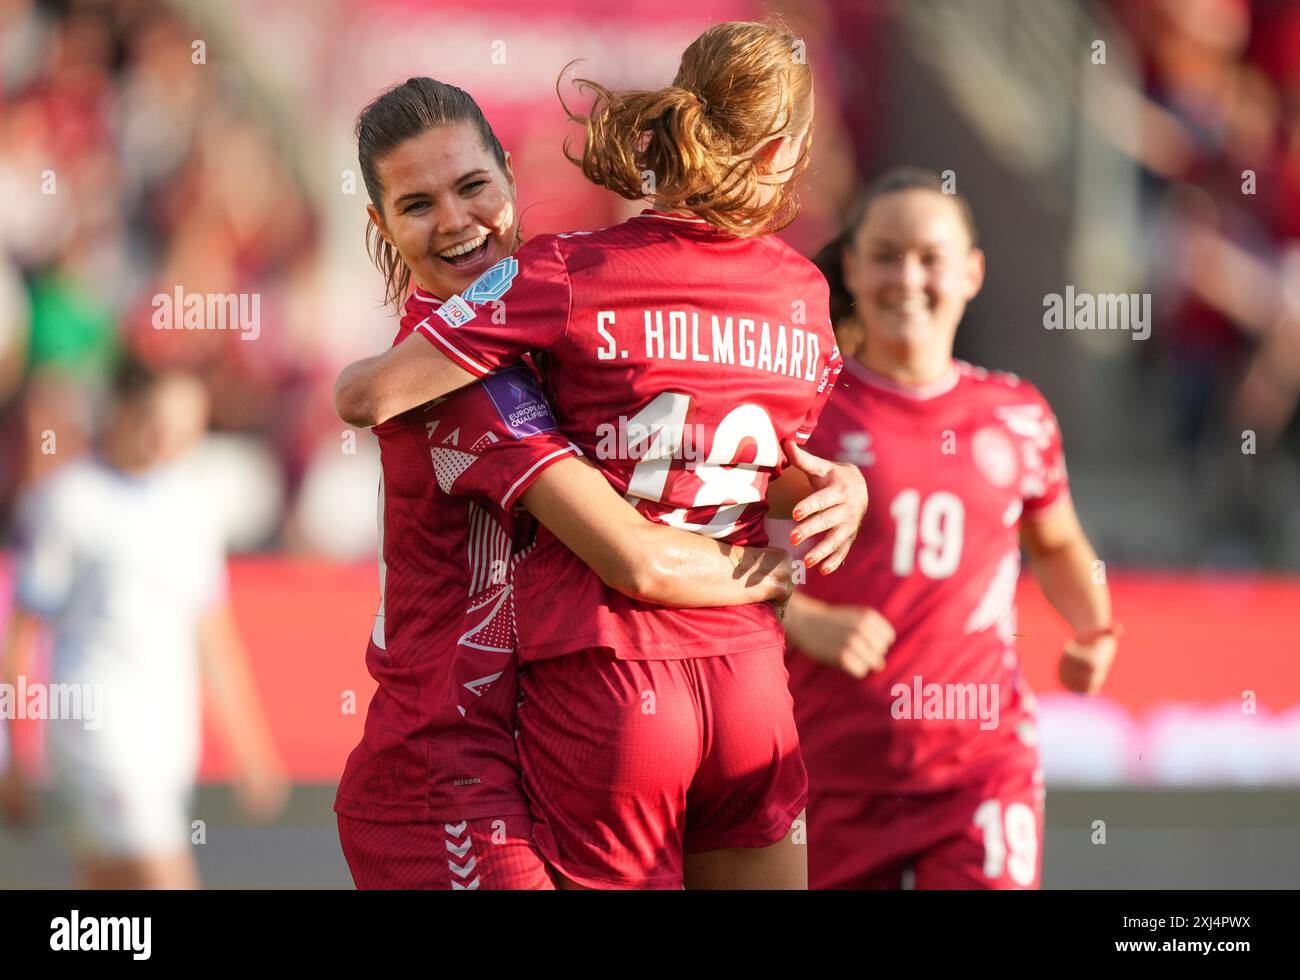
[
  {"x": 1084, "y": 666},
  {"x": 853, "y": 638}
]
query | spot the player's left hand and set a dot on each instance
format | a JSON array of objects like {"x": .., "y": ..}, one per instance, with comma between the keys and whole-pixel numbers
[
  {"x": 1084, "y": 666},
  {"x": 836, "y": 508}
]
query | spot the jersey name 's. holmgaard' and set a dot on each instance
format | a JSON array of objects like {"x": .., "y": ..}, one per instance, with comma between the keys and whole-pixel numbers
[{"x": 676, "y": 335}]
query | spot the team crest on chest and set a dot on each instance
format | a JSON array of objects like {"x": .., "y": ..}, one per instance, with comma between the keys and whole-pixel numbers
[{"x": 995, "y": 456}]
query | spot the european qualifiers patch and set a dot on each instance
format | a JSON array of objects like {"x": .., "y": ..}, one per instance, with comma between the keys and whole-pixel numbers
[{"x": 519, "y": 402}]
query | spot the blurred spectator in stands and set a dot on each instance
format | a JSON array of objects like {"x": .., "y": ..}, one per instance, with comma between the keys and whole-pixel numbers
[{"x": 1217, "y": 122}]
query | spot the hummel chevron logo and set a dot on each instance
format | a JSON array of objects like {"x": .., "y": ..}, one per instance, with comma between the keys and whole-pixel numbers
[{"x": 463, "y": 870}]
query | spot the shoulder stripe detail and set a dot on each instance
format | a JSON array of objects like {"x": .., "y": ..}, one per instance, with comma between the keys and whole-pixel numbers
[
  {"x": 438, "y": 340},
  {"x": 509, "y": 497}
]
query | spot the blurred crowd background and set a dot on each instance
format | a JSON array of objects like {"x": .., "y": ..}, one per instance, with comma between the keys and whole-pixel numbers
[
  {"x": 1149, "y": 147},
  {"x": 1140, "y": 147}
]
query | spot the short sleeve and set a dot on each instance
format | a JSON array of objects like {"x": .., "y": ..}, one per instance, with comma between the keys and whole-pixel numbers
[
  {"x": 521, "y": 304},
  {"x": 495, "y": 438},
  {"x": 826, "y": 382},
  {"x": 46, "y": 552},
  {"x": 1044, "y": 484}
]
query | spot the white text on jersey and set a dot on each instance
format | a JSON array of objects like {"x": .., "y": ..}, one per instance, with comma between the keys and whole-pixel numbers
[{"x": 675, "y": 335}]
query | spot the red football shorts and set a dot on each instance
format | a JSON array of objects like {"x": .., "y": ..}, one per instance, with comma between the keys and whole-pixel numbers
[
  {"x": 987, "y": 834},
  {"x": 629, "y": 764},
  {"x": 492, "y": 852}
]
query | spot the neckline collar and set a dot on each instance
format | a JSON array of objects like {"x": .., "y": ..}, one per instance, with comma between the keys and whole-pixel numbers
[
  {"x": 924, "y": 392},
  {"x": 424, "y": 296},
  {"x": 652, "y": 213},
  {"x": 691, "y": 227}
]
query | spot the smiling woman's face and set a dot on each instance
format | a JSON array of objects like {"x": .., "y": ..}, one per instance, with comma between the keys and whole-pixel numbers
[
  {"x": 449, "y": 209},
  {"x": 912, "y": 269}
]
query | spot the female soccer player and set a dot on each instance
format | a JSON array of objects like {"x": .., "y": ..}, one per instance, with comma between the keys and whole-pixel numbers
[
  {"x": 917, "y": 727},
  {"x": 431, "y": 797},
  {"x": 682, "y": 349},
  {"x": 124, "y": 566}
]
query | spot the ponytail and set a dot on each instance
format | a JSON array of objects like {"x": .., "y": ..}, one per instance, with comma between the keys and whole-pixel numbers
[{"x": 690, "y": 146}]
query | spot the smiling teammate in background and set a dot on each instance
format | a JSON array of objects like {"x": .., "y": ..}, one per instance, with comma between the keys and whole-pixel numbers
[{"x": 917, "y": 726}]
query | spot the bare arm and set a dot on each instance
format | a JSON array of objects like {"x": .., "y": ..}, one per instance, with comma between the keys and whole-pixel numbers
[
  {"x": 645, "y": 560},
  {"x": 259, "y": 782},
  {"x": 19, "y": 642},
  {"x": 20, "y": 639},
  {"x": 405, "y": 376},
  {"x": 1063, "y": 561}
]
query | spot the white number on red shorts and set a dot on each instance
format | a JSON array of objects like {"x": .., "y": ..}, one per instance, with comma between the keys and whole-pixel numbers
[
  {"x": 724, "y": 483},
  {"x": 1020, "y": 839}
]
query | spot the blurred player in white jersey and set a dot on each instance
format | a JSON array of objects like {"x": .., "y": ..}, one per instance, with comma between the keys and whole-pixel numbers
[{"x": 124, "y": 565}]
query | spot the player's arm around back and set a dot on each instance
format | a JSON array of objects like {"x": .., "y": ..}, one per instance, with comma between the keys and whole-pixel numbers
[
  {"x": 648, "y": 561},
  {"x": 1064, "y": 562},
  {"x": 375, "y": 389}
]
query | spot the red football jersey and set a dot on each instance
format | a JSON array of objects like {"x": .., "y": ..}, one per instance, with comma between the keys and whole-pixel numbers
[
  {"x": 678, "y": 358},
  {"x": 953, "y": 467},
  {"x": 439, "y": 735}
]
